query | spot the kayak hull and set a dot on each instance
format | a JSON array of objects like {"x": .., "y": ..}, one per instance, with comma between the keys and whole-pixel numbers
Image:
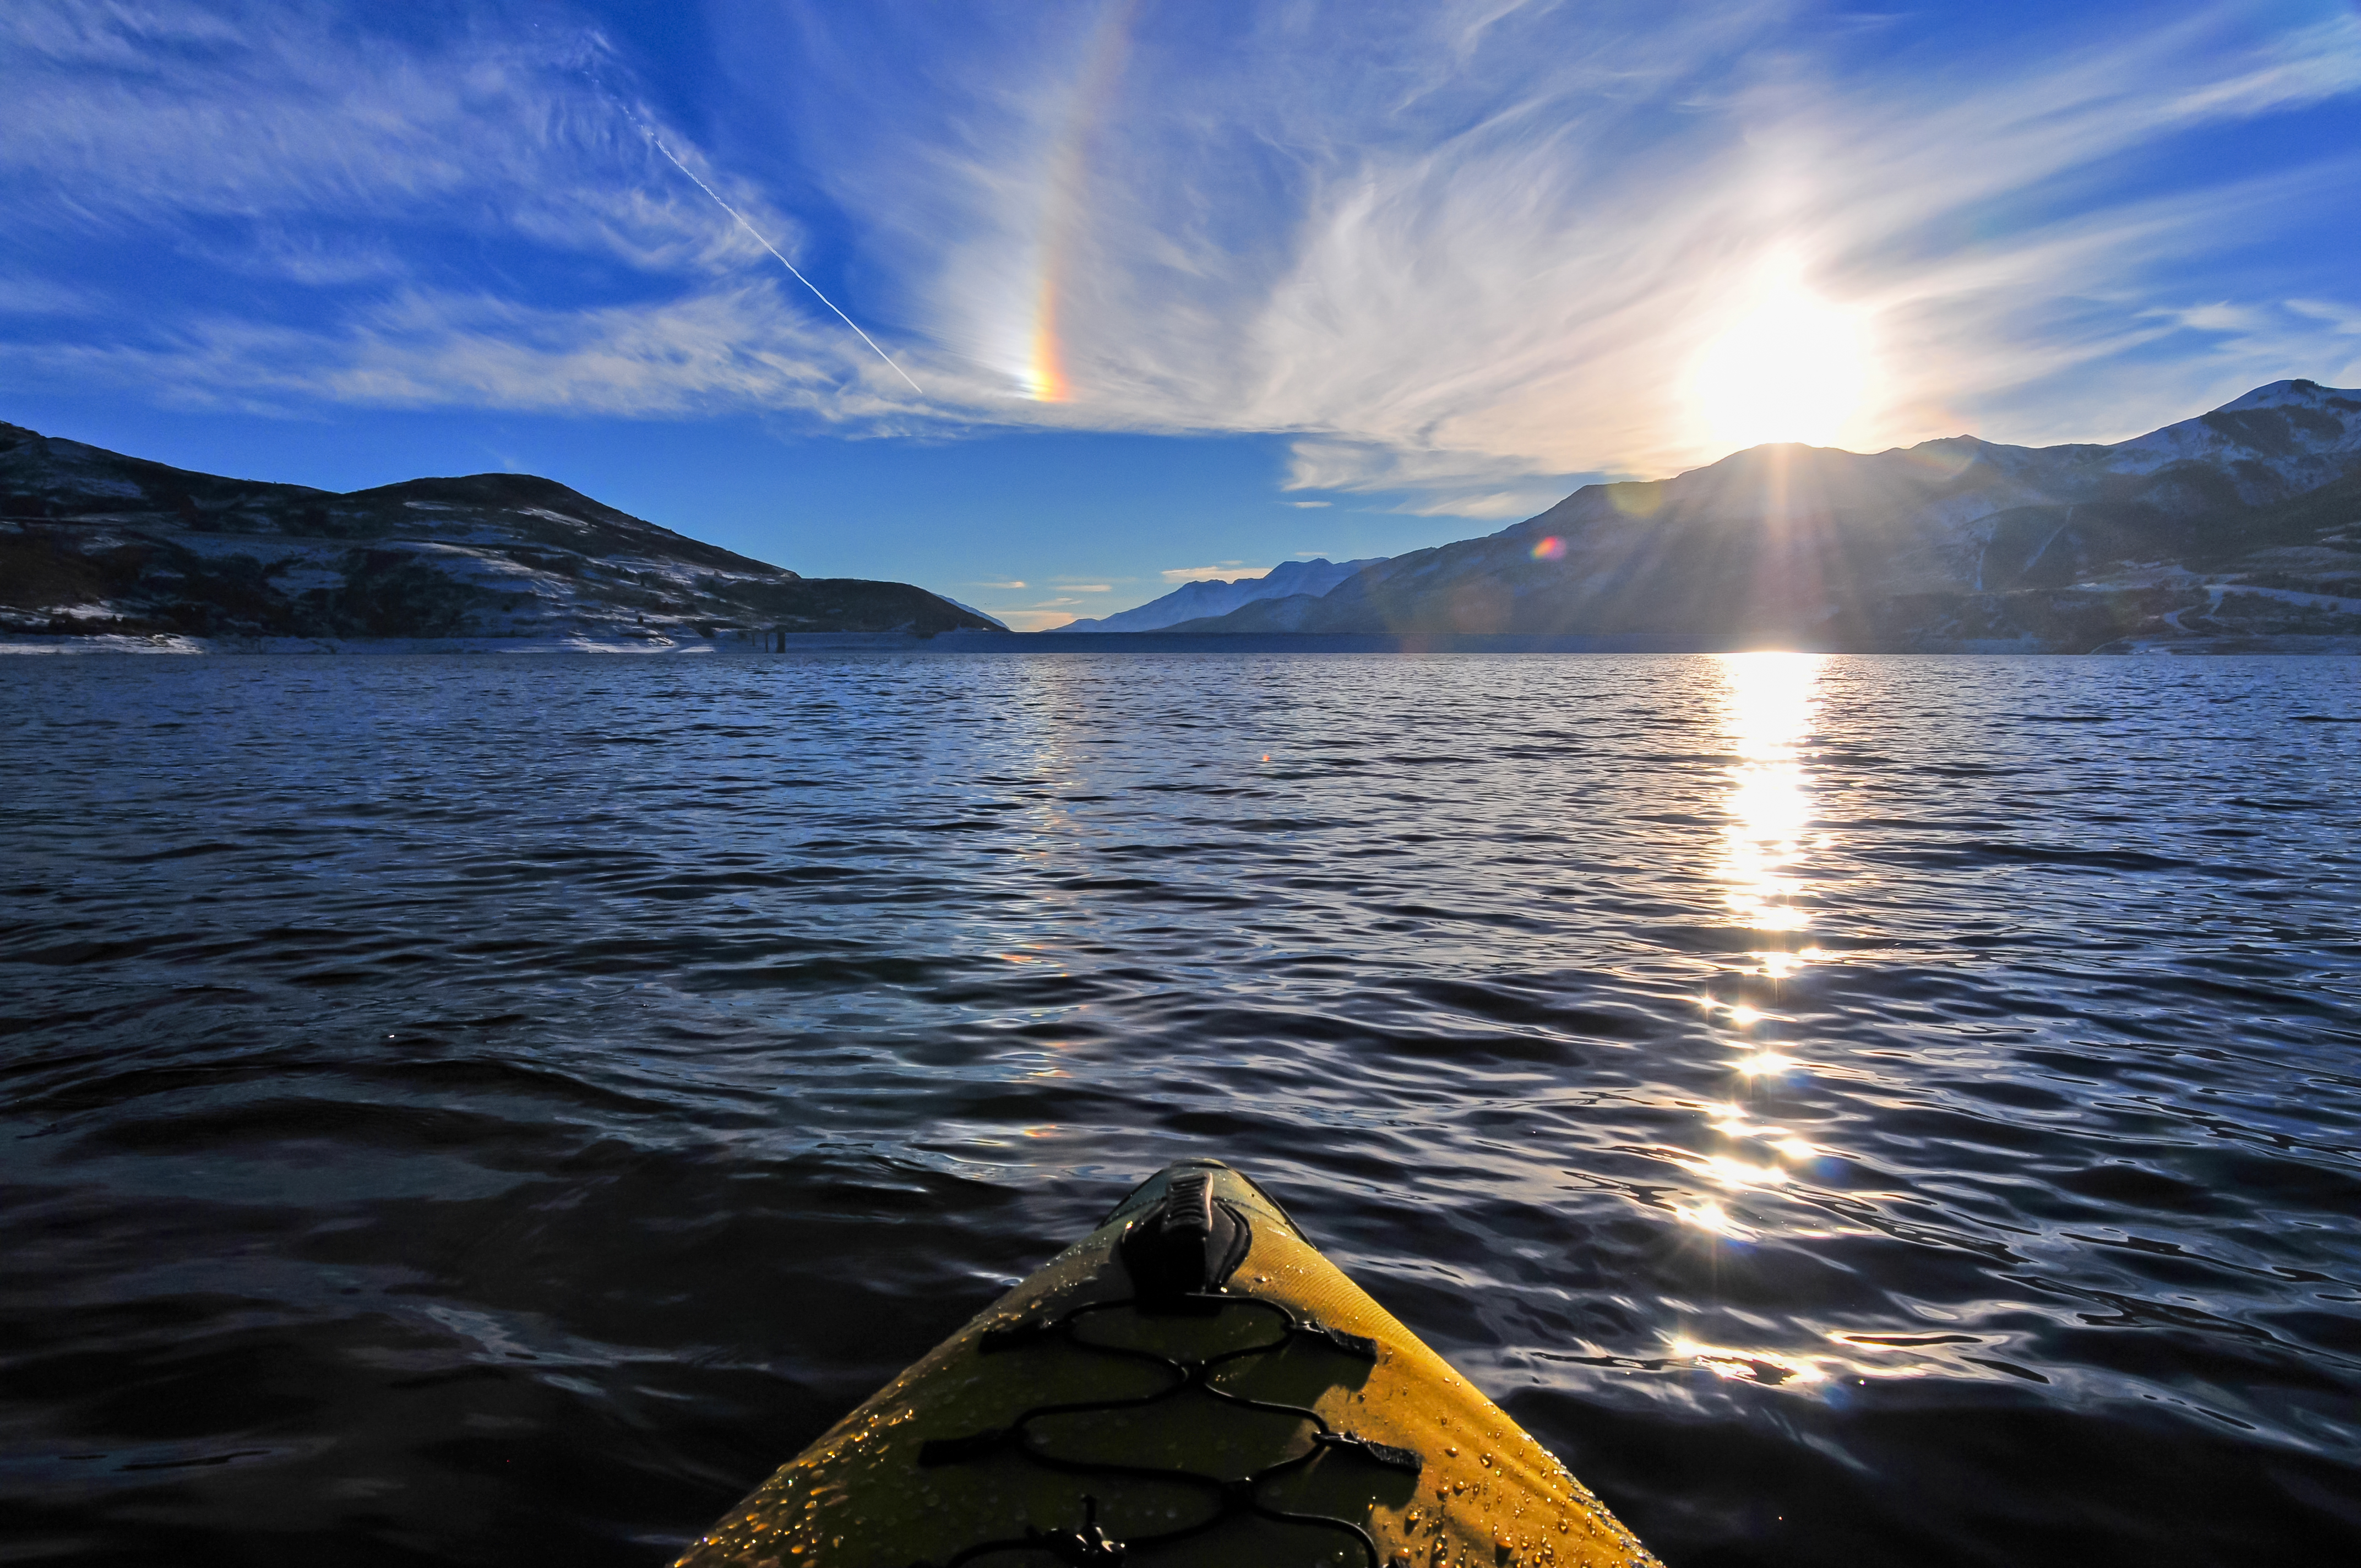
[{"x": 1256, "y": 1406}]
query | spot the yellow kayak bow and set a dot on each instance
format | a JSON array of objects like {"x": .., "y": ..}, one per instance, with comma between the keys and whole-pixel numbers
[{"x": 1190, "y": 1385}]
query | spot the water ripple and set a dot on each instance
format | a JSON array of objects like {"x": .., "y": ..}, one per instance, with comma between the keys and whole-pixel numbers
[{"x": 1853, "y": 1109}]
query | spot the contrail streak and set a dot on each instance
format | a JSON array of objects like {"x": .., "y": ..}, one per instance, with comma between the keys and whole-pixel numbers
[{"x": 790, "y": 266}]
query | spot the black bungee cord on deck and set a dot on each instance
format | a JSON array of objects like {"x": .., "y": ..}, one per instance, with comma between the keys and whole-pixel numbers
[{"x": 1179, "y": 1254}]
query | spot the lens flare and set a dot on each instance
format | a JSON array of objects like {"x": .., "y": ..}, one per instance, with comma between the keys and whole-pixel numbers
[{"x": 1550, "y": 549}]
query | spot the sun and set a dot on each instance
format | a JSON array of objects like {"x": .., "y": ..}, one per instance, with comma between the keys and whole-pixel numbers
[{"x": 1794, "y": 367}]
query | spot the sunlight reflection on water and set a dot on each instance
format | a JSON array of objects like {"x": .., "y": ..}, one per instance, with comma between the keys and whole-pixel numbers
[
  {"x": 1770, "y": 700},
  {"x": 1769, "y": 703}
]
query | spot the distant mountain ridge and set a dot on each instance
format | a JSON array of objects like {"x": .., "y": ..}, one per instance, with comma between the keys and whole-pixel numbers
[
  {"x": 95, "y": 545},
  {"x": 1192, "y": 601},
  {"x": 2238, "y": 528}
]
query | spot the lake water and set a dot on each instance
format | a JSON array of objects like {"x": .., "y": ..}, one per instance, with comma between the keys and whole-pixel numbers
[{"x": 1853, "y": 1109}]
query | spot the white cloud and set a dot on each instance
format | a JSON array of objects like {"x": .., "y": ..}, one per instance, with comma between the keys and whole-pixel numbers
[
  {"x": 1463, "y": 257},
  {"x": 129, "y": 111},
  {"x": 1447, "y": 483},
  {"x": 709, "y": 352},
  {"x": 20, "y": 295},
  {"x": 1467, "y": 297},
  {"x": 2302, "y": 66},
  {"x": 331, "y": 170},
  {"x": 2342, "y": 318}
]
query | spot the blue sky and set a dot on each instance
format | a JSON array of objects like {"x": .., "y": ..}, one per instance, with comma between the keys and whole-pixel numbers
[{"x": 1167, "y": 288}]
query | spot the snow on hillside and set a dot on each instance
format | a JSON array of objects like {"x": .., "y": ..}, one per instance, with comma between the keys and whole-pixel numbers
[
  {"x": 97, "y": 546},
  {"x": 2230, "y": 529},
  {"x": 1193, "y": 601}
]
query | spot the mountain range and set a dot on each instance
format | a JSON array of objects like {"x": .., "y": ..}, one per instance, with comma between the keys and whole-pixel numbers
[
  {"x": 1205, "y": 599},
  {"x": 98, "y": 549},
  {"x": 2238, "y": 528}
]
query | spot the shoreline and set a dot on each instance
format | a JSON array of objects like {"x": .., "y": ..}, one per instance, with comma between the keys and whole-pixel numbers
[{"x": 1132, "y": 643}]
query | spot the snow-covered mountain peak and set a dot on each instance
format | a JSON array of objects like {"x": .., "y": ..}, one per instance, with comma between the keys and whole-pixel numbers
[
  {"x": 1192, "y": 601},
  {"x": 2295, "y": 394},
  {"x": 2233, "y": 524},
  {"x": 2276, "y": 441}
]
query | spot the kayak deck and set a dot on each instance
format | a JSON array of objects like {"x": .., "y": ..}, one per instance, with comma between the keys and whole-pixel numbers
[{"x": 1191, "y": 1384}]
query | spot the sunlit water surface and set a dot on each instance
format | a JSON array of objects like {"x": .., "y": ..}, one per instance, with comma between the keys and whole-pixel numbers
[{"x": 1853, "y": 1109}]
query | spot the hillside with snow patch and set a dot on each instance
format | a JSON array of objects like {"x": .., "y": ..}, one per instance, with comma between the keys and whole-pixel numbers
[{"x": 101, "y": 550}]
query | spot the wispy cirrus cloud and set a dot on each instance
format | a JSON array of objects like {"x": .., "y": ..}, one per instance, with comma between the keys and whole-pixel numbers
[
  {"x": 1463, "y": 256},
  {"x": 470, "y": 221},
  {"x": 2344, "y": 319},
  {"x": 712, "y": 351},
  {"x": 1483, "y": 249}
]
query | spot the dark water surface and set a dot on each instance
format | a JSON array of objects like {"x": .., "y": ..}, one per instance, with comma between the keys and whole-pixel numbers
[{"x": 1854, "y": 1110}]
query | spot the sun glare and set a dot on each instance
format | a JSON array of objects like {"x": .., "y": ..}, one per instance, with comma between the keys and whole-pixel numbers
[{"x": 1793, "y": 368}]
